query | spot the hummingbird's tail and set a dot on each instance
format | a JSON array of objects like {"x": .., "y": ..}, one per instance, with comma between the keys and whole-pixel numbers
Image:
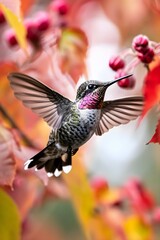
[{"x": 53, "y": 166}]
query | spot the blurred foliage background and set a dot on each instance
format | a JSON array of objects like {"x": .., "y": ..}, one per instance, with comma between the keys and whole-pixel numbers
[{"x": 113, "y": 189}]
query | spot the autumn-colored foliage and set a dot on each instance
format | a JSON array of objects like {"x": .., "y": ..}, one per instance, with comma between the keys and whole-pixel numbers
[
  {"x": 56, "y": 45},
  {"x": 151, "y": 89},
  {"x": 156, "y": 136}
]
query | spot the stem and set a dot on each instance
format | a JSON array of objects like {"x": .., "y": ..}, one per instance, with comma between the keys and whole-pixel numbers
[
  {"x": 14, "y": 125},
  {"x": 147, "y": 67},
  {"x": 126, "y": 53},
  {"x": 134, "y": 62}
]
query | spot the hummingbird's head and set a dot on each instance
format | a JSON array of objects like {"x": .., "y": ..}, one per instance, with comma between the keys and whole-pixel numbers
[{"x": 90, "y": 94}]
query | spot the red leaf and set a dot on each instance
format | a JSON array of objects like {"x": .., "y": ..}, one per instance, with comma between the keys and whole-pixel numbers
[
  {"x": 156, "y": 136},
  {"x": 24, "y": 193},
  {"x": 151, "y": 89},
  {"x": 140, "y": 198},
  {"x": 7, "y": 160}
]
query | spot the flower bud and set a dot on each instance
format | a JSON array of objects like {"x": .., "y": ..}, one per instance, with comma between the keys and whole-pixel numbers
[
  {"x": 32, "y": 31},
  {"x": 10, "y": 38},
  {"x": 140, "y": 43},
  {"x": 116, "y": 63},
  {"x": 127, "y": 83},
  {"x": 60, "y": 6},
  {"x": 42, "y": 21},
  {"x": 146, "y": 57}
]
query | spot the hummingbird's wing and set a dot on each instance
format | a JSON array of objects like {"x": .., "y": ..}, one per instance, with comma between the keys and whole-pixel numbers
[
  {"x": 119, "y": 111},
  {"x": 44, "y": 101}
]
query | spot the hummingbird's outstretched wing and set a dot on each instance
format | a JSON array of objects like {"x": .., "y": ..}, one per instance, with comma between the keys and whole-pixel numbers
[
  {"x": 119, "y": 111},
  {"x": 44, "y": 101}
]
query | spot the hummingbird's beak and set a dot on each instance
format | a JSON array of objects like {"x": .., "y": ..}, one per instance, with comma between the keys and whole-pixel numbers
[{"x": 118, "y": 79}]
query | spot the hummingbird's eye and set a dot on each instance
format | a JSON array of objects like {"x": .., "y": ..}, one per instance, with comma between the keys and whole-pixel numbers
[{"x": 91, "y": 86}]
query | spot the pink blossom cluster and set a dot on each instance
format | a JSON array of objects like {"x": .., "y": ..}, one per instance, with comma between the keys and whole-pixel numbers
[
  {"x": 38, "y": 24},
  {"x": 143, "y": 50}
]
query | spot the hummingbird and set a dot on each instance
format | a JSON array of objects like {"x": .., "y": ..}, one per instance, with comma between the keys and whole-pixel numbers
[{"x": 72, "y": 123}]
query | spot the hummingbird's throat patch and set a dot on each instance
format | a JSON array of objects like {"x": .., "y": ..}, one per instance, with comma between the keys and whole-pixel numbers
[{"x": 90, "y": 102}]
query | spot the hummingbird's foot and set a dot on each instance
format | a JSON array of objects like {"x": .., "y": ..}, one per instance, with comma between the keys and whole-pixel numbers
[
  {"x": 67, "y": 161},
  {"x": 74, "y": 151}
]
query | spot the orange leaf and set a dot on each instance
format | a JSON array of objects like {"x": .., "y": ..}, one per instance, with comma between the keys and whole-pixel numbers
[
  {"x": 151, "y": 90},
  {"x": 11, "y": 104},
  {"x": 26, "y": 5},
  {"x": 73, "y": 45},
  {"x": 27, "y": 121},
  {"x": 156, "y": 136}
]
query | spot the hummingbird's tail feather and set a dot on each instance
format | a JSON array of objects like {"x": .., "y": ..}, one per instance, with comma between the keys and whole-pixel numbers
[
  {"x": 54, "y": 167},
  {"x": 52, "y": 164}
]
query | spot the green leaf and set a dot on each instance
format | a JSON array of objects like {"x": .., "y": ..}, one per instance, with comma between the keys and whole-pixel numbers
[{"x": 9, "y": 218}]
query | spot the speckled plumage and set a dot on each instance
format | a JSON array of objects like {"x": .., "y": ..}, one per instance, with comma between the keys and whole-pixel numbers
[
  {"x": 73, "y": 123},
  {"x": 77, "y": 127}
]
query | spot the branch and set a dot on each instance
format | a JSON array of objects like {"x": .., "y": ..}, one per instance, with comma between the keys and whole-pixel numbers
[{"x": 27, "y": 141}]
